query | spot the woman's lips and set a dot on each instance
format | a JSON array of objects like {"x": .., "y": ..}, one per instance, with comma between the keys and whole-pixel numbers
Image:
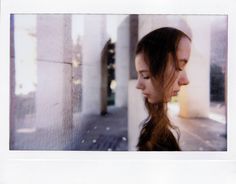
[
  {"x": 175, "y": 93},
  {"x": 145, "y": 95}
]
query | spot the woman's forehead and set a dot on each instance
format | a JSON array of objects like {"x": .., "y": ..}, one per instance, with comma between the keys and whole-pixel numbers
[
  {"x": 184, "y": 49},
  {"x": 140, "y": 64}
]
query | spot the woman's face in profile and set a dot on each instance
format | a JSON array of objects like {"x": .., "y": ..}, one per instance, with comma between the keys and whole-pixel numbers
[{"x": 154, "y": 92}]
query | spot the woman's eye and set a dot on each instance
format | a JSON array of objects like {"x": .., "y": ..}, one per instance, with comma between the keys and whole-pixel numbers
[
  {"x": 181, "y": 66},
  {"x": 180, "y": 69},
  {"x": 146, "y": 77}
]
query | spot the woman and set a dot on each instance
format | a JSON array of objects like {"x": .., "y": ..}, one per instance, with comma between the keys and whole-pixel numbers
[{"x": 161, "y": 57}]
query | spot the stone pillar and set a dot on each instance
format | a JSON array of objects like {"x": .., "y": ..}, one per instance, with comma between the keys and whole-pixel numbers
[
  {"x": 95, "y": 38},
  {"x": 148, "y": 23},
  {"x": 12, "y": 84},
  {"x": 136, "y": 114},
  {"x": 54, "y": 71},
  {"x": 195, "y": 98},
  {"x": 122, "y": 63},
  {"x": 133, "y": 42}
]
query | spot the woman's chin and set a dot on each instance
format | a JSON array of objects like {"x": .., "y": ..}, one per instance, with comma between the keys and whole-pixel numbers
[
  {"x": 151, "y": 101},
  {"x": 168, "y": 100}
]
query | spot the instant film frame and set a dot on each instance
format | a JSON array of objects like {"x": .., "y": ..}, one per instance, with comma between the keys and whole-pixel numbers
[
  {"x": 91, "y": 102},
  {"x": 67, "y": 164}
]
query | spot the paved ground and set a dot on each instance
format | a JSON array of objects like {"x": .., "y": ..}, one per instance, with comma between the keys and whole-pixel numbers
[
  {"x": 101, "y": 133},
  {"x": 90, "y": 132},
  {"x": 109, "y": 133},
  {"x": 202, "y": 134}
]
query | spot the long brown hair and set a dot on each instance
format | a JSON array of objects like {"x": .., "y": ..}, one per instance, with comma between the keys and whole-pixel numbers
[{"x": 157, "y": 47}]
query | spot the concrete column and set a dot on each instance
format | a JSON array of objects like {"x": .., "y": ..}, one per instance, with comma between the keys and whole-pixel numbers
[
  {"x": 54, "y": 71},
  {"x": 95, "y": 38},
  {"x": 148, "y": 23},
  {"x": 122, "y": 63},
  {"x": 136, "y": 114},
  {"x": 195, "y": 98},
  {"x": 12, "y": 84},
  {"x": 133, "y": 42}
]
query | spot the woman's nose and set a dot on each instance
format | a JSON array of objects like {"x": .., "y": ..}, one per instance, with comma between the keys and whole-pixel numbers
[
  {"x": 183, "y": 80},
  {"x": 139, "y": 84}
]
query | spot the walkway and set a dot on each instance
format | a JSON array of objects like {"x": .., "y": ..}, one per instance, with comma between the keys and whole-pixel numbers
[
  {"x": 202, "y": 134},
  {"x": 109, "y": 133},
  {"x": 101, "y": 133}
]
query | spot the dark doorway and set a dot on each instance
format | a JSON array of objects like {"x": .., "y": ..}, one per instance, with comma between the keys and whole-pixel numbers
[{"x": 111, "y": 73}]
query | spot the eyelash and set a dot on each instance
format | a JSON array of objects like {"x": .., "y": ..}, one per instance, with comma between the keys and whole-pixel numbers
[
  {"x": 179, "y": 69},
  {"x": 146, "y": 77}
]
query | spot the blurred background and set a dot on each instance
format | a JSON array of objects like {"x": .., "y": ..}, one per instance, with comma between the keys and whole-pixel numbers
[{"x": 73, "y": 82}]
